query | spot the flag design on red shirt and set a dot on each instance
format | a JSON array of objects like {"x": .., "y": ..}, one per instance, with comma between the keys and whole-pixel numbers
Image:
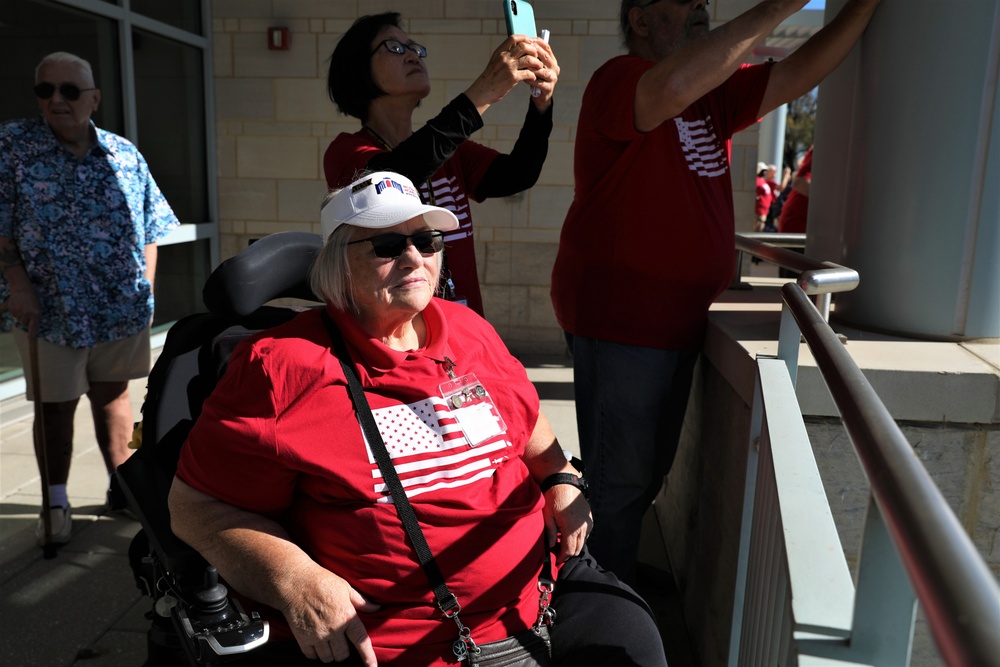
[{"x": 429, "y": 449}]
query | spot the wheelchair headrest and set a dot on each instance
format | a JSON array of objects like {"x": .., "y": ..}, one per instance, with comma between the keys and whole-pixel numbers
[{"x": 275, "y": 266}]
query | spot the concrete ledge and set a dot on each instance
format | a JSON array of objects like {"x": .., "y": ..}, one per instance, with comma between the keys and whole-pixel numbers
[{"x": 917, "y": 380}]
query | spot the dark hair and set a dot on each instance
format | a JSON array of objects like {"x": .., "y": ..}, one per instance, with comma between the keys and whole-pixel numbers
[
  {"x": 623, "y": 21},
  {"x": 349, "y": 81}
]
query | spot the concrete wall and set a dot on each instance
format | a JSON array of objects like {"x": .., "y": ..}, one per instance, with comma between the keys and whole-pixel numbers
[
  {"x": 274, "y": 121},
  {"x": 945, "y": 397}
]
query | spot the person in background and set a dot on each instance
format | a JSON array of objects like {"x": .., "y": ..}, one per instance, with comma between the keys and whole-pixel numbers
[
  {"x": 795, "y": 212},
  {"x": 763, "y": 196},
  {"x": 304, "y": 522},
  {"x": 652, "y": 174},
  {"x": 779, "y": 193},
  {"x": 80, "y": 215},
  {"x": 377, "y": 75}
]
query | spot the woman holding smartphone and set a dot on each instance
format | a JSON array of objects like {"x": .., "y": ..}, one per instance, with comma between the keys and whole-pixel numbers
[{"x": 377, "y": 74}]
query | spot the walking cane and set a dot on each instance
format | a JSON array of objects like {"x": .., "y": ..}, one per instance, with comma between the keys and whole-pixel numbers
[{"x": 41, "y": 450}]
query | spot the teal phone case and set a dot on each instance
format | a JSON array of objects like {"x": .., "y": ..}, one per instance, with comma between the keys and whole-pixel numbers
[{"x": 520, "y": 18}]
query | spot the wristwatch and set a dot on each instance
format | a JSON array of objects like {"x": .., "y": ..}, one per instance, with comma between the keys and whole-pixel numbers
[{"x": 566, "y": 478}]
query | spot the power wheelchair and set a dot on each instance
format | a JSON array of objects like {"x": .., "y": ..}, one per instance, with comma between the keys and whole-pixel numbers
[{"x": 194, "y": 621}]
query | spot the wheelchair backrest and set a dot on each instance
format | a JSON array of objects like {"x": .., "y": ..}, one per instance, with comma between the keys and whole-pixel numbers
[{"x": 192, "y": 360}]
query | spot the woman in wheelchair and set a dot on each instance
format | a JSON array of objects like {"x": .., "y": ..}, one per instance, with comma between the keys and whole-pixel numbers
[{"x": 282, "y": 489}]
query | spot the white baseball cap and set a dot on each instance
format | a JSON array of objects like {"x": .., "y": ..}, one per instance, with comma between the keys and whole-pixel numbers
[{"x": 378, "y": 200}]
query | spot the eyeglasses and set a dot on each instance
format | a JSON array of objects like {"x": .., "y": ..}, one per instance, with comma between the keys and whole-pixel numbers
[
  {"x": 68, "y": 91},
  {"x": 391, "y": 246},
  {"x": 679, "y": 2},
  {"x": 397, "y": 47}
]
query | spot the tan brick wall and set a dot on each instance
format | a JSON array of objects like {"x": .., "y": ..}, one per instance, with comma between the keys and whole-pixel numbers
[{"x": 274, "y": 121}]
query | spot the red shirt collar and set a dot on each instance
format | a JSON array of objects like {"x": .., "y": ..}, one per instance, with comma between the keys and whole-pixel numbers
[{"x": 374, "y": 355}]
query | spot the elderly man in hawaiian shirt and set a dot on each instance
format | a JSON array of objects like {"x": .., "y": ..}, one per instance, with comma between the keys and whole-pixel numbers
[{"x": 80, "y": 215}]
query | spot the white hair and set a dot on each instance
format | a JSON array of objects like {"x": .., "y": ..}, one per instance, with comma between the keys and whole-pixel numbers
[
  {"x": 330, "y": 276},
  {"x": 68, "y": 58}
]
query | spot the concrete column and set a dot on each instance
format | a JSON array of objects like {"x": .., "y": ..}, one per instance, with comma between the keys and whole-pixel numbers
[
  {"x": 906, "y": 173},
  {"x": 771, "y": 140}
]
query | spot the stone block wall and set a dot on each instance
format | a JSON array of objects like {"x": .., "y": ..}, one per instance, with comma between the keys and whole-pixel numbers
[{"x": 274, "y": 121}]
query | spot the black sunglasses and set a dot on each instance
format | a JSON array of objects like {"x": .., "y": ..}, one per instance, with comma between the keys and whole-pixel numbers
[
  {"x": 391, "y": 246},
  {"x": 69, "y": 91},
  {"x": 397, "y": 47}
]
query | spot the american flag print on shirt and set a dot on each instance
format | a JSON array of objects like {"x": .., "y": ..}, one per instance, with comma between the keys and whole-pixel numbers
[
  {"x": 702, "y": 150},
  {"x": 448, "y": 195},
  {"x": 429, "y": 449}
]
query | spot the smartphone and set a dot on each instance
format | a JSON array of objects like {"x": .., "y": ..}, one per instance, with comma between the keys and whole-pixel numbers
[{"x": 520, "y": 18}]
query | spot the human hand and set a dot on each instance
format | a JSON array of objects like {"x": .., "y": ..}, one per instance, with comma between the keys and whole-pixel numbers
[
  {"x": 568, "y": 518},
  {"x": 546, "y": 77},
  {"x": 323, "y": 617},
  {"x": 23, "y": 305},
  {"x": 515, "y": 60}
]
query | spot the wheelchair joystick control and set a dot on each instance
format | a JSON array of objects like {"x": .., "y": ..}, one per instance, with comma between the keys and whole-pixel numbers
[
  {"x": 212, "y": 599},
  {"x": 216, "y": 627}
]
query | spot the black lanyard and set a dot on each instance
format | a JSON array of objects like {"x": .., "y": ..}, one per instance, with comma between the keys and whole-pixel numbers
[{"x": 446, "y": 600}]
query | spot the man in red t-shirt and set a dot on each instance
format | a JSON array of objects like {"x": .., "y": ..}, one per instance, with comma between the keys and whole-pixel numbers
[
  {"x": 795, "y": 212},
  {"x": 764, "y": 194},
  {"x": 648, "y": 242}
]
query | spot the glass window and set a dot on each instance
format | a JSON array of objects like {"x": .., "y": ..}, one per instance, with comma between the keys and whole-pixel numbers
[
  {"x": 29, "y": 31},
  {"x": 32, "y": 29},
  {"x": 169, "y": 104},
  {"x": 170, "y": 107},
  {"x": 184, "y": 14},
  {"x": 181, "y": 272}
]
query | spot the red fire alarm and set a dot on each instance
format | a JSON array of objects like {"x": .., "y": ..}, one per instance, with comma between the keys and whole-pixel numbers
[{"x": 278, "y": 39}]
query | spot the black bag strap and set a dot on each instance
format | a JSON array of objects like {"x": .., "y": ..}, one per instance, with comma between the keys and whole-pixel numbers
[{"x": 445, "y": 598}]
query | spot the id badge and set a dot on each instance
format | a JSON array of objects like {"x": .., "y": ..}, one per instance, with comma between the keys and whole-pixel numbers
[{"x": 472, "y": 406}]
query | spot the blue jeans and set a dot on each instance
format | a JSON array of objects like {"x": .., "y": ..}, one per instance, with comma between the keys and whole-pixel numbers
[{"x": 630, "y": 404}]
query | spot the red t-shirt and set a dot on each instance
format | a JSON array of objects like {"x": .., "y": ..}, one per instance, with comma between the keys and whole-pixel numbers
[
  {"x": 279, "y": 437},
  {"x": 795, "y": 212},
  {"x": 454, "y": 183},
  {"x": 648, "y": 242},
  {"x": 763, "y": 196}
]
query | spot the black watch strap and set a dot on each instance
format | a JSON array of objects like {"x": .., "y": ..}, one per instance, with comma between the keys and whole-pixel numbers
[{"x": 566, "y": 478}]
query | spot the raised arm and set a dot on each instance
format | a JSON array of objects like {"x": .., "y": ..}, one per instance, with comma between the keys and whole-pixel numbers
[
  {"x": 808, "y": 65},
  {"x": 255, "y": 555},
  {"x": 702, "y": 64},
  {"x": 519, "y": 170},
  {"x": 423, "y": 152}
]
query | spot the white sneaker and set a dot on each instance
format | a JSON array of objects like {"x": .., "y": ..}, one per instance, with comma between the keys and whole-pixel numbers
[{"x": 61, "y": 526}]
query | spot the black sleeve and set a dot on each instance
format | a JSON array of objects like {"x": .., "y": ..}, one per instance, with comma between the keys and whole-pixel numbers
[
  {"x": 510, "y": 174},
  {"x": 431, "y": 146}
]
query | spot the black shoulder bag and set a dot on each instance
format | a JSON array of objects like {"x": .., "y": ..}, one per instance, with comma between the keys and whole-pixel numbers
[{"x": 526, "y": 649}]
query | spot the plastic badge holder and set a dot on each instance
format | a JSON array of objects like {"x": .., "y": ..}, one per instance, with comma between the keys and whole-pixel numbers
[{"x": 472, "y": 406}]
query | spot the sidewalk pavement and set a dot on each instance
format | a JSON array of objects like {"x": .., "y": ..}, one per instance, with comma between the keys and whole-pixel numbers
[{"x": 82, "y": 608}]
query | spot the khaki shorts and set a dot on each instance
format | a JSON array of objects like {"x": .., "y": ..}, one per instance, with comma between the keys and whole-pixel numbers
[{"x": 66, "y": 372}]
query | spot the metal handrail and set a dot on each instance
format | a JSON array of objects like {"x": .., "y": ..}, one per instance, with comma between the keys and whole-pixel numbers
[
  {"x": 780, "y": 239},
  {"x": 956, "y": 589},
  {"x": 815, "y": 277}
]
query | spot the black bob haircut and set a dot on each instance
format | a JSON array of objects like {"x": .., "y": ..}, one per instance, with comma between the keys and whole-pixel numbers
[{"x": 349, "y": 81}]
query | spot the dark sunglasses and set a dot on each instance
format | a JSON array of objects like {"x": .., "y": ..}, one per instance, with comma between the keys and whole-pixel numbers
[
  {"x": 68, "y": 91},
  {"x": 397, "y": 47},
  {"x": 391, "y": 246}
]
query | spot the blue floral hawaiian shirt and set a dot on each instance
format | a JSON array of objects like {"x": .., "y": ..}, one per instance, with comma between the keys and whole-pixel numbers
[{"x": 81, "y": 227}]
